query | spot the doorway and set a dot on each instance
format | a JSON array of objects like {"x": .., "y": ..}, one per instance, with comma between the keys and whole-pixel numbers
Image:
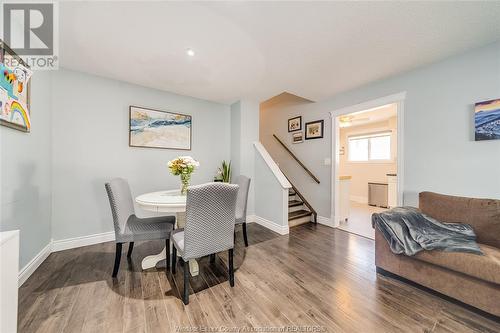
[{"x": 367, "y": 168}]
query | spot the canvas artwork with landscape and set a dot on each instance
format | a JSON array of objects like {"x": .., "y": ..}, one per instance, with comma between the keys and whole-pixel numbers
[
  {"x": 487, "y": 120},
  {"x": 159, "y": 129}
]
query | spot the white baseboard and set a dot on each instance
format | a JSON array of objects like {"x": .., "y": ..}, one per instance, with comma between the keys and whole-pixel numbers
[
  {"x": 34, "y": 263},
  {"x": 280, "y": 229},
  {"x": 359, "y": 199},
  {"x": 326, "y": 221},
  {"x": 72, "y": 243}
]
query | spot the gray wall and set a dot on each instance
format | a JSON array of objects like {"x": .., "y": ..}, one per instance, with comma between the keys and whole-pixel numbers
[
  {"x": 244, "y": 132},
  {"x": 235, "y": 139},
  {"x": 268, "y": 193},
  {"x": 25, "y": 174},
  {"x": 274, "y": 120},
  {"x": 439, "y": 148},
  {"x": 90, "y": 146}
]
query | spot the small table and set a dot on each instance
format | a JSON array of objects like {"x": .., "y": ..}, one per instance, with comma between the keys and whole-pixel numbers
[{"x": 165, "y": 202}]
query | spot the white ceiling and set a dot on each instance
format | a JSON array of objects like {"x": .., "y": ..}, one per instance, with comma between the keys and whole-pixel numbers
[
  {"x": 375, "y": 115},
  {"x": 259, "y": 49}
]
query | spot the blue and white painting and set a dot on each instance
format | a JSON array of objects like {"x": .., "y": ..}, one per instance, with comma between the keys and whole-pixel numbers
[
  {"x": 159, "y": 129},
  {"x": 487, "y": 120}
]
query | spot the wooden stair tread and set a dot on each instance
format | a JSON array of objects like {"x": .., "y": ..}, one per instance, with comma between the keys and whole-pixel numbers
[
  {"x": 298, "y": 214},
  {"x": 293, "y": 203},
  {"x": 290, "y": 193}
]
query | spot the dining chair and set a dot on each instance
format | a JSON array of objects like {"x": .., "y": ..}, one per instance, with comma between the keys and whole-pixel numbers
[
  {"x": 209, "y": 229},
  {"x": 241, "y": 204},
  {"x": 128, "y": 227}
]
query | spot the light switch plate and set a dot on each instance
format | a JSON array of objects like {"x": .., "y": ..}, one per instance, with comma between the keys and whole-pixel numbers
[{"x": 327, "y": 161}]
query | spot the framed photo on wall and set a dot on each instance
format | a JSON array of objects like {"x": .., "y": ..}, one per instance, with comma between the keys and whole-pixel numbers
[
  {"x": 298, "y": 137},
  {"x": 149, "y": 128},
  {"x": 314, "y": 129},
  {"x": 295, "y": 124},
  {"x": 15, "y": 93}
]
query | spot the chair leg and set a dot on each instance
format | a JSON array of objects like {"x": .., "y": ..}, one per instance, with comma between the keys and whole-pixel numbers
[
  {"x": 167, "y": 248},
  {"x": 174, "y": 259},
  {"x": 231, "y": 268},
  {"x": 185, "y": 297},
  {"x": 212, "y": 258},
  {"x": 118, "y": 257},
  {"x": 245, "y": 234},
  {"x": 130, "y": 249}
]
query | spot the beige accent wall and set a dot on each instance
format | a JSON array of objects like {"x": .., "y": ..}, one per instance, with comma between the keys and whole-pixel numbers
[{"x": 364, "y": 172}]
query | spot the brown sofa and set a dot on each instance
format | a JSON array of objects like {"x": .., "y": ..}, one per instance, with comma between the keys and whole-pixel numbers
[{"x": 469, "y": 278}]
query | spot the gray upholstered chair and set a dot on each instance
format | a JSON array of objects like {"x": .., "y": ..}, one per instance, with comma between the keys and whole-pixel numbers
[
  {"x": 209, "y": 229},
  {"x": 128, "y": 227},
  {"x": 241, "y": 204}
]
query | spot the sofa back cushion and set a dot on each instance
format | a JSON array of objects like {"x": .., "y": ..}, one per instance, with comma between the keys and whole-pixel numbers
[{"x": 482, "y": 214}]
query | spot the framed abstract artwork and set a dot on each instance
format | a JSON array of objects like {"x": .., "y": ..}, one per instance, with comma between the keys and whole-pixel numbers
[
  {"x": 149, "y": 128},
  {"x": 295, "y": 124},
  {"x": 15, "y": 84},
  {"x": 314, "y": 129},
  {"x": 487, "y": 120}
]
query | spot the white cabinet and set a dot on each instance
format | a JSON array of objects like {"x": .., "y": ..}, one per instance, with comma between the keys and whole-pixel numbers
[
  {"x": 9, "y": 268},
  {"x": 392, "y": 191},
  {"x": 344, "y": 193}
]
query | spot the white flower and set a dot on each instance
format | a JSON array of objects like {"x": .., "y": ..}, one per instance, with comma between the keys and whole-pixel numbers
[{"x": 188, "y": 160}]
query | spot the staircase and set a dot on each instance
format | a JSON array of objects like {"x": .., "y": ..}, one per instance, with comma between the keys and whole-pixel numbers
[{"x": 299, "y": 211}]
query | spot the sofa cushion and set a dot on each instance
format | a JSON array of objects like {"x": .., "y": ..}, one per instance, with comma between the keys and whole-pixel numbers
[
  {"x": 485, "y": 267},
  {"x": 482, "y": 214}
]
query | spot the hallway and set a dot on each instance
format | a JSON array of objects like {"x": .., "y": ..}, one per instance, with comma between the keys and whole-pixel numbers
[{"x": 360, "y": 221}]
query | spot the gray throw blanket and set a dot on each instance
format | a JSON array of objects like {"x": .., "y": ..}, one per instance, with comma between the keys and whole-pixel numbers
[{"x": 409, "y": 231}]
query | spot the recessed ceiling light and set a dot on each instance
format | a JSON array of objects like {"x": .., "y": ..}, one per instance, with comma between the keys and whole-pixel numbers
[{"x": 190, "y": 52}]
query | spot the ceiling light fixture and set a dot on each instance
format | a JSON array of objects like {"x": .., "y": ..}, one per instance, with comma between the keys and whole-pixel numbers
[{"x": 190, "y": 52}]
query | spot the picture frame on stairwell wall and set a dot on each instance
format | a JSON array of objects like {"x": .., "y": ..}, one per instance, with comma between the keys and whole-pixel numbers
[
  {"x": 298, "y": 137},
  {"x": 315, "y": 129},
  {"x": 295, "y": 124}
]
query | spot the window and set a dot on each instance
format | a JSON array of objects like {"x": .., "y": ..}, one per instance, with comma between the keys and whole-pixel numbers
[{"x": 371, "y": 147}]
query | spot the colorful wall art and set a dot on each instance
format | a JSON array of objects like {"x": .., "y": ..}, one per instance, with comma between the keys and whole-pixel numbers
[
  {"x": 15, "y": 77},
  {"x": 487, "y": 120},
  {"x": 159, "y": 129}
]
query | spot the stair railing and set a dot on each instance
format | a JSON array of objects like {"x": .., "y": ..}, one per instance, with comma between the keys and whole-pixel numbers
[
  {"x": 306, "y": 203},
  {"x": 297, "y": 159}
]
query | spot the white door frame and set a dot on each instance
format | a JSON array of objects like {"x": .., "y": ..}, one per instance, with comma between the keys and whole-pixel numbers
[{"x": 398, "y": 99}]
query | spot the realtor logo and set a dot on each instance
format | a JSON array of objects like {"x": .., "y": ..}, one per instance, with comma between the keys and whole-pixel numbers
[{"x": 29, "y": 29}]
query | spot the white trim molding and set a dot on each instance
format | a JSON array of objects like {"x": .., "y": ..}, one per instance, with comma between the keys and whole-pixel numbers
[
  {"x": 72, "y": 243},
  {"x": 280, "y": 229},
  {"x": 399, "y": 99},
  {"x": 60, "y": 245},
  {"x": 34, "y": 263},
  {"x": 272, "y": 165},
  {"x": 326, "y": 221},
  {"x": 373, "y": 104}
]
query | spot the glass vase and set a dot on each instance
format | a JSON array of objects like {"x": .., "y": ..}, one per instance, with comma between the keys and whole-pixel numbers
[{"x": 185, "y": 178}]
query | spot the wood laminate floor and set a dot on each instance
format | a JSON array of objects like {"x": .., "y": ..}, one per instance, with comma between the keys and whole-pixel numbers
[{"x": 317, "y": 277}]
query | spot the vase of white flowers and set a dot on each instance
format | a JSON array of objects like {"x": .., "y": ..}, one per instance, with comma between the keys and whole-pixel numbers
[{"x": 183, "y": 166}]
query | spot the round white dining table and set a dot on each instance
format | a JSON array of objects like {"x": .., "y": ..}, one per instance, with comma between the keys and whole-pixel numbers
[{"x": 171, "y": 202}]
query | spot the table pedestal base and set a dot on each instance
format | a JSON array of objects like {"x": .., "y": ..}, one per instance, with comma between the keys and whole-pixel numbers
[{"x": 151, "y": 261}]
